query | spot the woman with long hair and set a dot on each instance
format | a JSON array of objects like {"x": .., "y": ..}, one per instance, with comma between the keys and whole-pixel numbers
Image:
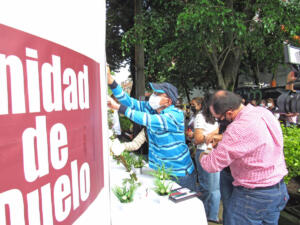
[{"x": 209, "y": 183}]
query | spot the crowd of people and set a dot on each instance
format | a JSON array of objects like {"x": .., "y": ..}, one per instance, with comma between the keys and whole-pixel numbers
[
  {"x": 286, "y": 118},
  {"x": 225, "y": 149}
]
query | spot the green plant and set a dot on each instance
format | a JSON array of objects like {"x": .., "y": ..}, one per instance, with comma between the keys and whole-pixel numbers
[
  {"x": 127, "y": 160},
  {"x": 162, "y": 187},
  {"x": 162, "y": 173},
  {"x": 139, "y": 161},
  {"x": 125, "y": 123},
  {"x": 125, "y": 192},
  {"x": 291, "y": 137}
]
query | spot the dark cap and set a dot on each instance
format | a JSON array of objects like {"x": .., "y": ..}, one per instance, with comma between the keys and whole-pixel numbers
[{"x": 167, "y": 88}]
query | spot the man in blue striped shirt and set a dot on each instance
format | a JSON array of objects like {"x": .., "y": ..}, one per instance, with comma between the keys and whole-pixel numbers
[{"x": 165, "y": 128}]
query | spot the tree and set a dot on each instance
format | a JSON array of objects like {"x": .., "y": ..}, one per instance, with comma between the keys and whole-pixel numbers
[
  {"x": 230, "y": 31},
  {"x": 119, "y": 19},
  {"x": 139, "y": 52},
  {"x": 204, "y": 42},
  {"x": 166, "y": 57}
]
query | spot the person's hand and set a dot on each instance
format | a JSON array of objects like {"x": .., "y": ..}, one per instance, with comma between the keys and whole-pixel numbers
[
  {"x": 110, "y": 79},
  {"x": 216, "y": 139},
  {"x": 190, "y": 133},
  {"x": 112, "y": 104},
  {"x": 209, "y": 138},
  {"x": 117, "y": 147}
]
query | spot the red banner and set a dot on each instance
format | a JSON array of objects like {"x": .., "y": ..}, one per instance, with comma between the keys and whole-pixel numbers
[{"x": 51, "y": 162}]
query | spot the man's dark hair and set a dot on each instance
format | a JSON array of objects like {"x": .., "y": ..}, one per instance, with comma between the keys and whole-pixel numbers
[
  {"x": 205, "y": 109},
  {"x": 223, "y": 100}
]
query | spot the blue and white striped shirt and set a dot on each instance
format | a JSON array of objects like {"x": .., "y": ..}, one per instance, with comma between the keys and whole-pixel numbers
[{"x": 165, "y": 133}]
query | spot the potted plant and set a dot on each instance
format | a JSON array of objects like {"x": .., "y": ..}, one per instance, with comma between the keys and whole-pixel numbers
[
  {"x": 162, "y": 187},
  {"x": 125, "y": 192},
  {"x": 162, "y": 181}
]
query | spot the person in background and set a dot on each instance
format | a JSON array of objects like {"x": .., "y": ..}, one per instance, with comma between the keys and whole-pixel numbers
[
  {"x": 271, "y": 106},
  {"x": 226, "y": 178},
  {"x": 187, "y": 115},
  {"x": 195, "y": 107},
  {"x": 252, "y": 145},
  {"x": 209, "y": 183},
  {"x": 117, "y": 147},
  {"x": 253, "y": 102},
  {"x": 290, "y": 118},
  {"x": 263, "y": 103},
  {"x": 290, "y": 81},
  {"x": 165, "y": 128}
]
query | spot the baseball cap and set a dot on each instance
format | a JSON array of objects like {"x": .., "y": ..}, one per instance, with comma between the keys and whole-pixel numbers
[{"x": 167, "y": 88}]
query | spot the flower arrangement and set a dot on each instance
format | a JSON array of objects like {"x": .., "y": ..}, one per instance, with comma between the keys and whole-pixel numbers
[
  {"x": 162, "y": 173},
  {"x": 125, "y": 192},
  {"x": 124, "y": 158},
  {"x": 127, "y": 162},
  {"x": 139, "y": 161},
  {"x": 163, "y": 187},
  {"x": 162, "y": 181}
]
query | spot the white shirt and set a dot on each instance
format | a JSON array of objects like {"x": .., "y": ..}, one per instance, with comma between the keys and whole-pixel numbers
[
  {"x": 116, "y": 123},
  {"x": 207, "y": 128}
]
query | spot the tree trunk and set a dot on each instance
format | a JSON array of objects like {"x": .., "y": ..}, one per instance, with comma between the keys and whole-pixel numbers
[
  {"x": 139, "y": 56},
  {"x": 221, "y": 82},
  {"x": 231, "y": 69}
]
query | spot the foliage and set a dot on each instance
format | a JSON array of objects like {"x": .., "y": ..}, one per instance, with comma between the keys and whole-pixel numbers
[
  {"x": 291, "y": 137},
  {"x": 133, "y": 160},
  {"x": 231, "y": 31},
  {"x": 167, "y": 57},
  {"x": 203, "y": 43},
  {"x": 139, "y": 161},
  {"x": 162, "y": 187},
  {"x": 125, "y": 123},
  {"x": 162, "y": 173},
  {"x": 128, "y": 158},
  {"x": 125, "y": 192},
  {"x": 120, "y": 18}
]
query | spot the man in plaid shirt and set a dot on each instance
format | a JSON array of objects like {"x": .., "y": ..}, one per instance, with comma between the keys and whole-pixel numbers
[{"x": 252, "y": 146}]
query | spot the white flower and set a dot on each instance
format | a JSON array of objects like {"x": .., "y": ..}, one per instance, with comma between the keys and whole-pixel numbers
[
  {"x": 124, "y": 197},
  {"x": 161, "y": 177}
]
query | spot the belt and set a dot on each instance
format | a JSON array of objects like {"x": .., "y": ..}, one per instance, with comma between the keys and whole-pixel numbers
[{"x": 264, "y": 188}]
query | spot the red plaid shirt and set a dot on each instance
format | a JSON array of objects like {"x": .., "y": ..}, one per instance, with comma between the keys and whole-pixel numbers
[{"x": 252, "y": 146}]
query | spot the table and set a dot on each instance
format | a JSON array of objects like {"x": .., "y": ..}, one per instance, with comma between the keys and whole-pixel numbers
[{"x": 148, "y": 208}]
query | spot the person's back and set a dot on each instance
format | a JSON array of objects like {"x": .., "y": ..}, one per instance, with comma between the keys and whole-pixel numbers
[
  {"x": 167, "y": 143},
  {"x": 252, "y": 146},
  {"x": 258, "y": 146}
]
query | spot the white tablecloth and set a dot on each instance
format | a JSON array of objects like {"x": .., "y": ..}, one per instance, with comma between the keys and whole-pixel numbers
[{"x": 150, "y": 208}]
